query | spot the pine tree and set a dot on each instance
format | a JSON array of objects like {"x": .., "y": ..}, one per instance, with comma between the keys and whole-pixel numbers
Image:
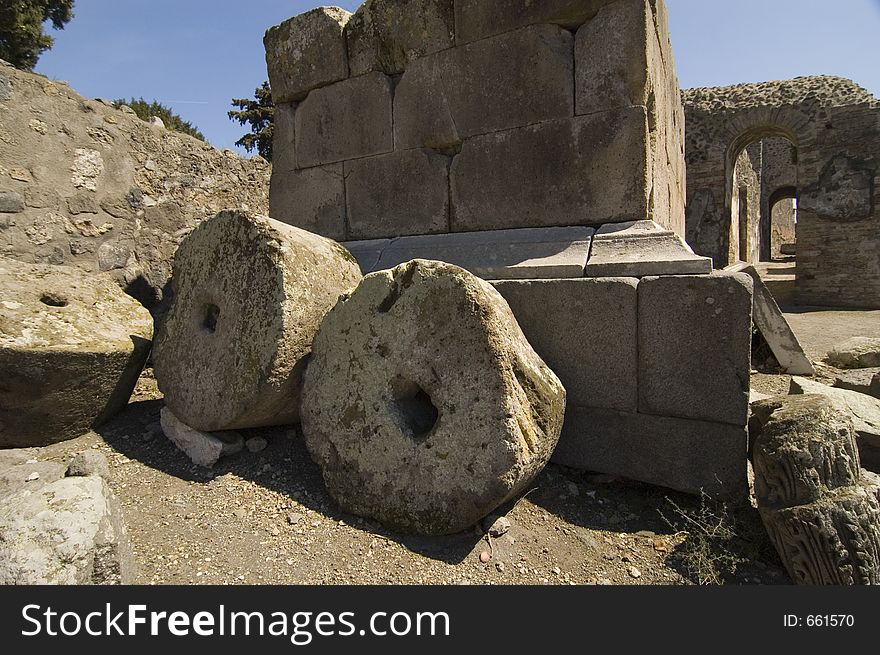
[
  {"x": 22, "y": 39},
  {"x": 146, "y": 110},
  {"x": 259, "y": 113}
]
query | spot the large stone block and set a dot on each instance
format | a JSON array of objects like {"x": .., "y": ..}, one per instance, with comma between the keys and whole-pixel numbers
[
  {"x": 312, "y": 199},
  {"x": 306, "y": 52},
  {"x": 512, "y": 80},
  {"x": 347, "y": 120},
  {"x": 249, "y": 295},
  {"x": 386, "y": 35},
  {"x": 586, "y": 171},
  {"x": 612, "y": 57},
  {"x": 586, "y": 332},
  {"x": 405, "y": 192},
  {"x": 72, "y": 347},
  {"x": 425, "y": 406},
  {"x": 695, "y": 347},
  {"x": 554, "y": 252},
  {"x": 284, "y": 137},
  {"x": 477, "y": 19},
  {"x": 681, "y": 454}
]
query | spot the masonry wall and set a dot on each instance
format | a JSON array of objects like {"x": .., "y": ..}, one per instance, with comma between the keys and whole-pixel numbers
[{"x": 435, "y": 116}]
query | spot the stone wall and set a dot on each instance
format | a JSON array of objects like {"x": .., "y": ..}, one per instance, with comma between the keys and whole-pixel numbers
[
  {"x": 835, "y": 126},
  {"x": 87, "y": 185},
  {"x": 745, "y": 225},
  {"x": 437, "y": 116}
]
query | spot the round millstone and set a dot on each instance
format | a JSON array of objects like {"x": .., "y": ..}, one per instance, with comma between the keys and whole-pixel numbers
[
  {"x": 72, "y": 346},
  {"x": 249, "y": 295},
  {"x": 423, "y": 404}
]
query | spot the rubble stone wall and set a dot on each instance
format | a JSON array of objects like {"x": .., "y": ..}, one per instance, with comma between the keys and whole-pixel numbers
[
  {"x": 436, "y": 116},
  {"x": 835, "y": 126}
]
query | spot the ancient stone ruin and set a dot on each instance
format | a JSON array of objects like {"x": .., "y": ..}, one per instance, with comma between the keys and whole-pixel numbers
[
  {"x": 539, "y": 146},
  {"x": 815, "y": 139}
]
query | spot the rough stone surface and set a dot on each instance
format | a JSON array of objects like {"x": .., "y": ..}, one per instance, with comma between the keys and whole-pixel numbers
[
  {"x": 89, "y": 462},
  {"x": 11, "y": 202},
  {"x": 863, "y": 380},
  {"x": 695, "y": 347},
  {"x": 774, "y": 327},
  {"x": 250, "y": 293},
  {"x": 405, "y": 192},
  {"x": 69, "y": 531},
  {"x": 306, "y": 52},
  {"x": 386, "y": 35},
  {"x": 312, "y": 199},
  {"x": 858, "y": 352},
  {"x": 556, "y": 252},
  {"x": 71, "y": 349},
  {"x": 586, "y": 331},
  {"x": 863, "y": 410},
  {"x": 346, "y": 120},
  {"x": 586, "y": 171},
  {"x": 508, "y": 81},
  {"x": 642, "y": 248},
  {"x": 821, "y": 515},
  {"x": 477, "y": 19},
  {"x": 151, "y": 188},
  {"x": 685, "y": 455},
  {"x": 424, "y": 405}
]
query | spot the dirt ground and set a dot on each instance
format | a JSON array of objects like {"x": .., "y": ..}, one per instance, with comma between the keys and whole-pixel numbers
[{"x": 266, "y": 518}]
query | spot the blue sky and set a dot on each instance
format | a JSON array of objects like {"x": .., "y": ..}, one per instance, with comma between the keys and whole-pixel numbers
[{"x": 195, "y": 55}]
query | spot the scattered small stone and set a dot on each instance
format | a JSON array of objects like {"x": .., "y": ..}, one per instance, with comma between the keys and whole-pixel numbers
[
  {"x": 499, "y": 527},
  {"x": 485, "y": 556},
  {"x": 499, "y": 566},
  {"x": 634, "y": 572},
  {"x": 660, "y": 546},
  {"x": 256, "y": 444},
  {"x": 294, "y": 518},
  {"x": 240, "y": 513},
  {"x": 556, "y": 570},
  {"x": 89, "y": 462},
  {"x": 33, "y": 476}
]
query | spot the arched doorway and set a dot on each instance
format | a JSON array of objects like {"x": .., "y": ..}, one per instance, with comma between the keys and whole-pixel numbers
[{"x": 782, "y": 210}]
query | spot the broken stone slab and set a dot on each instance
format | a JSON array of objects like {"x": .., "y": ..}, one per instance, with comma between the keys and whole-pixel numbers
[
  {"x": 821, "y": 513},
  {"x": 249, "y": 295},
  {"x": 864, "y": 410},
  {"x": 477, "y": 19},
  {"x": 346, "y": 120},
  {"x": 512, "y": 80},
  {"x": 555, "y": 252},
  {"x": 682, "y": 454},
  {"x": 203, "y": 448},
  {"x": 386, "y": 35},
  {"x": 642, "y": 248},
  {"x": 424, "y": 405},
  {"x": 863, "y": 380},
  {"x": 306, "y": 52},
  {"x": 588, "y": 170},
  {"x": 72, "y": 346},
  {"x": 858, "y": 352},
  {"x": 312, "y": 199},
  {"x": 367, "y": 252},
  {"x": 773, "y": 325},
  {"x": 69, "y": 531},
  {"x": 695, "y": 335},
  {"x": 404, "y": 192},
  {"x": 586, "y": 331}
]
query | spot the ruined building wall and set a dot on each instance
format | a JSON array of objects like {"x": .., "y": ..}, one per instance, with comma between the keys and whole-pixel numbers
[
  {"x": 778, "y": 181},
  {"x": 437, "y": 116},
  {"x": 835, "y": 125},
  {"x": 745, "y": 225}
]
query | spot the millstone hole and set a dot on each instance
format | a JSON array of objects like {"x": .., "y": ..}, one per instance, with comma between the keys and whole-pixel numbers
[
  {"x": 212, "y": 313},
  {"x": 412, "y": 409}
]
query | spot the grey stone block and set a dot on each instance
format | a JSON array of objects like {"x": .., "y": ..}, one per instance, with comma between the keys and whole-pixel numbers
[
  {"x": 386, "y": 35},
  {"x": 405, "y": 192},
  {"x": 695, "y": 347},
  {"x": 642, "y": 248},
  {"x": 306, "y": 52},
  {"x": 347, "y": 120},
  {"x": 367, "y": 253},
  {"x": 284, "y": 137},
  {"x": 612, "y": 57},
  {"x": 588, "y": 170},
  {"x": 554, "y": 252},
  {"x": 863, "y": 380},
  {"x": 586, "y": 332},
  {"x": 685, "y": 455},
  {"x": 512, "y": 80},
  {"x": 477, "y": 19},
  {"x": 312, "y": 199}
]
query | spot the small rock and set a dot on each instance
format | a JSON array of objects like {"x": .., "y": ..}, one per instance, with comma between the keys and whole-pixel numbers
[
  {"x": 634, "y": 572},
  {"x": 499, "y": 566},
  {"x": 499, "y": 527},
  {"x": 240, "y": 512},
  {"x": 660, "y": 546},
  {"x": 11, "y": 202},
  {"x": 556, "y": 570},
  {"x": 646, "y": 533},
  {"x": 89, "y": 462},
  {"x": 295, "y": 518},
  {"x": 485, "y": 556},
  {"x": 573, "y": 489},
  {"x": 256, "y": 444},
  {"x": 33, "y": 476}
]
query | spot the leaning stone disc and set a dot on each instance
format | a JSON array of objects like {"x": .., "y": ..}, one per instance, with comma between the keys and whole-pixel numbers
[
  {"x": 249, "y": 295},
  {"x": 423, "y": 404}
]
